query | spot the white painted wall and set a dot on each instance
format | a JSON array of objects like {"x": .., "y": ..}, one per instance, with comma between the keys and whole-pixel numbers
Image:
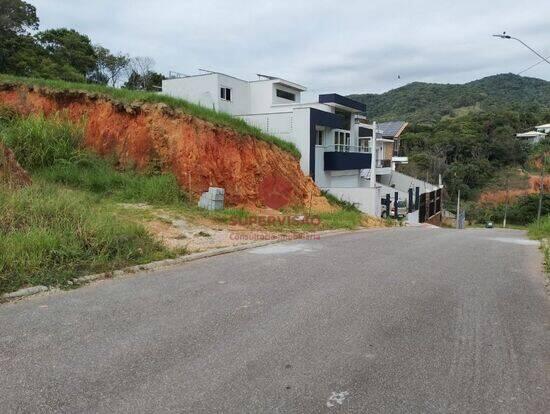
[
  {"x": 240, "y": 95},
  {"x": 204, "y": 90},
  {"x": 301, "y": 122},
  {"x": 404, "y": 182},
  {"x": 366, "y": 199},
  {"x": 201, "y": 89}
]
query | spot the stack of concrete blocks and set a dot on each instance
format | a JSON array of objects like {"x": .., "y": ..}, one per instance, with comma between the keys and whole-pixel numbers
[{"x": 212, "y": 199}]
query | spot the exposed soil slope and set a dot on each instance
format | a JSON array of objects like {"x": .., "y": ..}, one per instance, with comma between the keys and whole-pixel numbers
[
  {"x": 197, "y": 152},
  {"x": 498, "y": 197},
  {"x": 12, "y": 174}
]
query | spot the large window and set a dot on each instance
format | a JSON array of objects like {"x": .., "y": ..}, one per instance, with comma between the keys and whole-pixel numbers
[
  {"x": 225, "y": 94},
  {"x": 341, "y": 141},
  {"x": 286, "y": 95}
]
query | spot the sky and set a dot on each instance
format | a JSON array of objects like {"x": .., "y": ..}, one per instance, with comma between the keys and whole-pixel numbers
[{"x": 341, "y": 46}]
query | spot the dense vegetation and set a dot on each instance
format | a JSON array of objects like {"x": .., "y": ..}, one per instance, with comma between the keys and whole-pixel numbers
[
  {"x": 469, "y": 151},
  {"x": 428, "y": 103},
  {"x": 466, "y": 133},
  {"x": 65, "y": 53}
]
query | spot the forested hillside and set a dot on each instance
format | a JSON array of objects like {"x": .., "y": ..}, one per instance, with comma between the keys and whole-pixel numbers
[
  {"x": 466, "y": 132},
  {"x": 429, "y": 102}
]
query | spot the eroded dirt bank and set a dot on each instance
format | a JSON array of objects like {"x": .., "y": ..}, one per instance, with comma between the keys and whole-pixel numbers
[{"x": 197, "y": 152}]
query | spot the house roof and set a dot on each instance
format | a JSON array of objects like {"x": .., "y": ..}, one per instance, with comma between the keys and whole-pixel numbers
[
  {"x": 530, "y": 134},
  {"x": 392, "y": 128}
]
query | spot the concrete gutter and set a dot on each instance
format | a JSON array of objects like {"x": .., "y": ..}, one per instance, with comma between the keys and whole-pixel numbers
[{"x": 158, "y": 265}]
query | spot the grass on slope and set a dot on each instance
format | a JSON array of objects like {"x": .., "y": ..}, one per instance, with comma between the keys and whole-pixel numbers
[
  {"x": 540, "y": 231},
  {"x": 50, "y": 234},
  {"x": 67, "y": 222},
  {"x": 128, "y": 96}
]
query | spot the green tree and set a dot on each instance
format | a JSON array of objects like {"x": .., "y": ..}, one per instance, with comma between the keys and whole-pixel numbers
[
  {"x": 151, "y": 81},
  {"x": 109, "y": 68},
  {"x": 70, "y": 51},
  {"x": 16, "y": 19}
]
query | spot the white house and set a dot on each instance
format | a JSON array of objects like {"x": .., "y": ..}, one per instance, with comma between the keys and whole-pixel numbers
[
  {"x": 332, "y": 134},
  {"x": 537, "y": 135}
]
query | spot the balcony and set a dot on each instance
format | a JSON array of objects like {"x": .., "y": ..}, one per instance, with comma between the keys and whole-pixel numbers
[
  {"x": 346, "y": 157},
  {"x": 400, "y": 160},
  {"x": 383, "y": 163}
]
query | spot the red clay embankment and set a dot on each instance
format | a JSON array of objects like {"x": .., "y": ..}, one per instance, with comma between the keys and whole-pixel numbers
[{"x": 199, "y": 153}]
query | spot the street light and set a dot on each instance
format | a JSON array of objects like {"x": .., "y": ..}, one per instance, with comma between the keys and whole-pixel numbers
[
  {"x": 505, "y": 36},
  {"x": 543, "y": 157}
]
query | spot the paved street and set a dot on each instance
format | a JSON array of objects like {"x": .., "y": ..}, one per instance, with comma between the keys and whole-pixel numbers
[{"x": 406, "y": 320}]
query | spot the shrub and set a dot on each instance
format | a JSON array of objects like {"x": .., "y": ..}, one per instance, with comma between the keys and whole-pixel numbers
[{"x": 522, "y": 211}]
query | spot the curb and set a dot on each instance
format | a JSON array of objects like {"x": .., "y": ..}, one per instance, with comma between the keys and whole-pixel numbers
[{"x": 161, "y": 264}]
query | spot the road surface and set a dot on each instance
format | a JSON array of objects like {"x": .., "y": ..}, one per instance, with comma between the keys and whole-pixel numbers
[{"x": 409, "y": 320}]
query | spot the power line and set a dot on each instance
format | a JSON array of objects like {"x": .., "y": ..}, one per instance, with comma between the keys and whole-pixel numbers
[{"x": 532, "y": 66}]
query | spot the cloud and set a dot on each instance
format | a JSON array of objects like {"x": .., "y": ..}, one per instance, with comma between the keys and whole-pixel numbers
[{"x": 346, "y": 47}]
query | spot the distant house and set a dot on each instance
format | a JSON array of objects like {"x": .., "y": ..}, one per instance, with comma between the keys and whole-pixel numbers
[
  {"x": 391, "y": 131},
  {"x": 534, "y": 137},
  {"x": 341, "y": 151},
  {"x": 543, "y": 128}
]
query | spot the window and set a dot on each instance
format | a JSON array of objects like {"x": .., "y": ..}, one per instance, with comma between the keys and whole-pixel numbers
[
  {"x": 286, "y": 95},
  {"x": 225, "y": 94},
  {"x": 319, "y": 138},
  {"x": 364, "y": 145},
  {"x": 341, "y": 141}
]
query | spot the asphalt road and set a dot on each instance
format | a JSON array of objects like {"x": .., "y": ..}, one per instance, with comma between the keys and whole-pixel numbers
[{"x": 393, "y": 321}]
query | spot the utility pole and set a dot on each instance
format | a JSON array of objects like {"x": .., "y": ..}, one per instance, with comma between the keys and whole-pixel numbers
[
  {"x": 373, "y": 159},
  {"x": 458, "y": 211},
  {"x": 507, "y": 199},
  {"x": 541, "y": 184}
]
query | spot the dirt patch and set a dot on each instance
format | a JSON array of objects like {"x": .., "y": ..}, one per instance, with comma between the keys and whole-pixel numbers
[
  {"x": 12, "y": 175},
  {"x": 499, "y": 196},
  {"x": 197, "y": 152}
]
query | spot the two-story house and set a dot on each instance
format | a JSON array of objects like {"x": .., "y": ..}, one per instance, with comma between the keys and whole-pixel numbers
[{"x": 332, "y": 134}]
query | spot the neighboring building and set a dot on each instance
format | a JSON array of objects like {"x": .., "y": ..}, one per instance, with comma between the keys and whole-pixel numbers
[
  {"x": 392, "y": 131},
  {"x": 332, "y": 134},
  {"x": 532, "y": 137},
  {"x": 537, "y": 135}
]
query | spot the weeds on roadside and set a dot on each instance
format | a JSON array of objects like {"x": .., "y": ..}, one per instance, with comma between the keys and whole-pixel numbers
[
  {"x": 541, "y": 231},
  {"x": 49, "y": 235}
]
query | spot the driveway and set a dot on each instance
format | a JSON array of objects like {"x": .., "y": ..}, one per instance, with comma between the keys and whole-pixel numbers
[{"x": 405, "y": 320}]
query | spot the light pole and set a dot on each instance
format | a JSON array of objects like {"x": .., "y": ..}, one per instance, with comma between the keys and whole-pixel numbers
[
  {"x": 541, "y": 184},
  {"x": 505, "y": 36}
]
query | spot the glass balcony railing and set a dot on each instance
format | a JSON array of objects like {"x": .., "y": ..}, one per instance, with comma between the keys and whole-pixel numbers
[{"x": 346, "y": 148}]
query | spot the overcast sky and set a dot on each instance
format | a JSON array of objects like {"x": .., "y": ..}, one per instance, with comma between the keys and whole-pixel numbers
[{"x": 342, "y": 46}]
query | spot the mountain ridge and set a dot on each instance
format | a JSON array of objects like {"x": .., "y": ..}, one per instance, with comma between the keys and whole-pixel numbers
[{"x": 423, "y": 102}]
